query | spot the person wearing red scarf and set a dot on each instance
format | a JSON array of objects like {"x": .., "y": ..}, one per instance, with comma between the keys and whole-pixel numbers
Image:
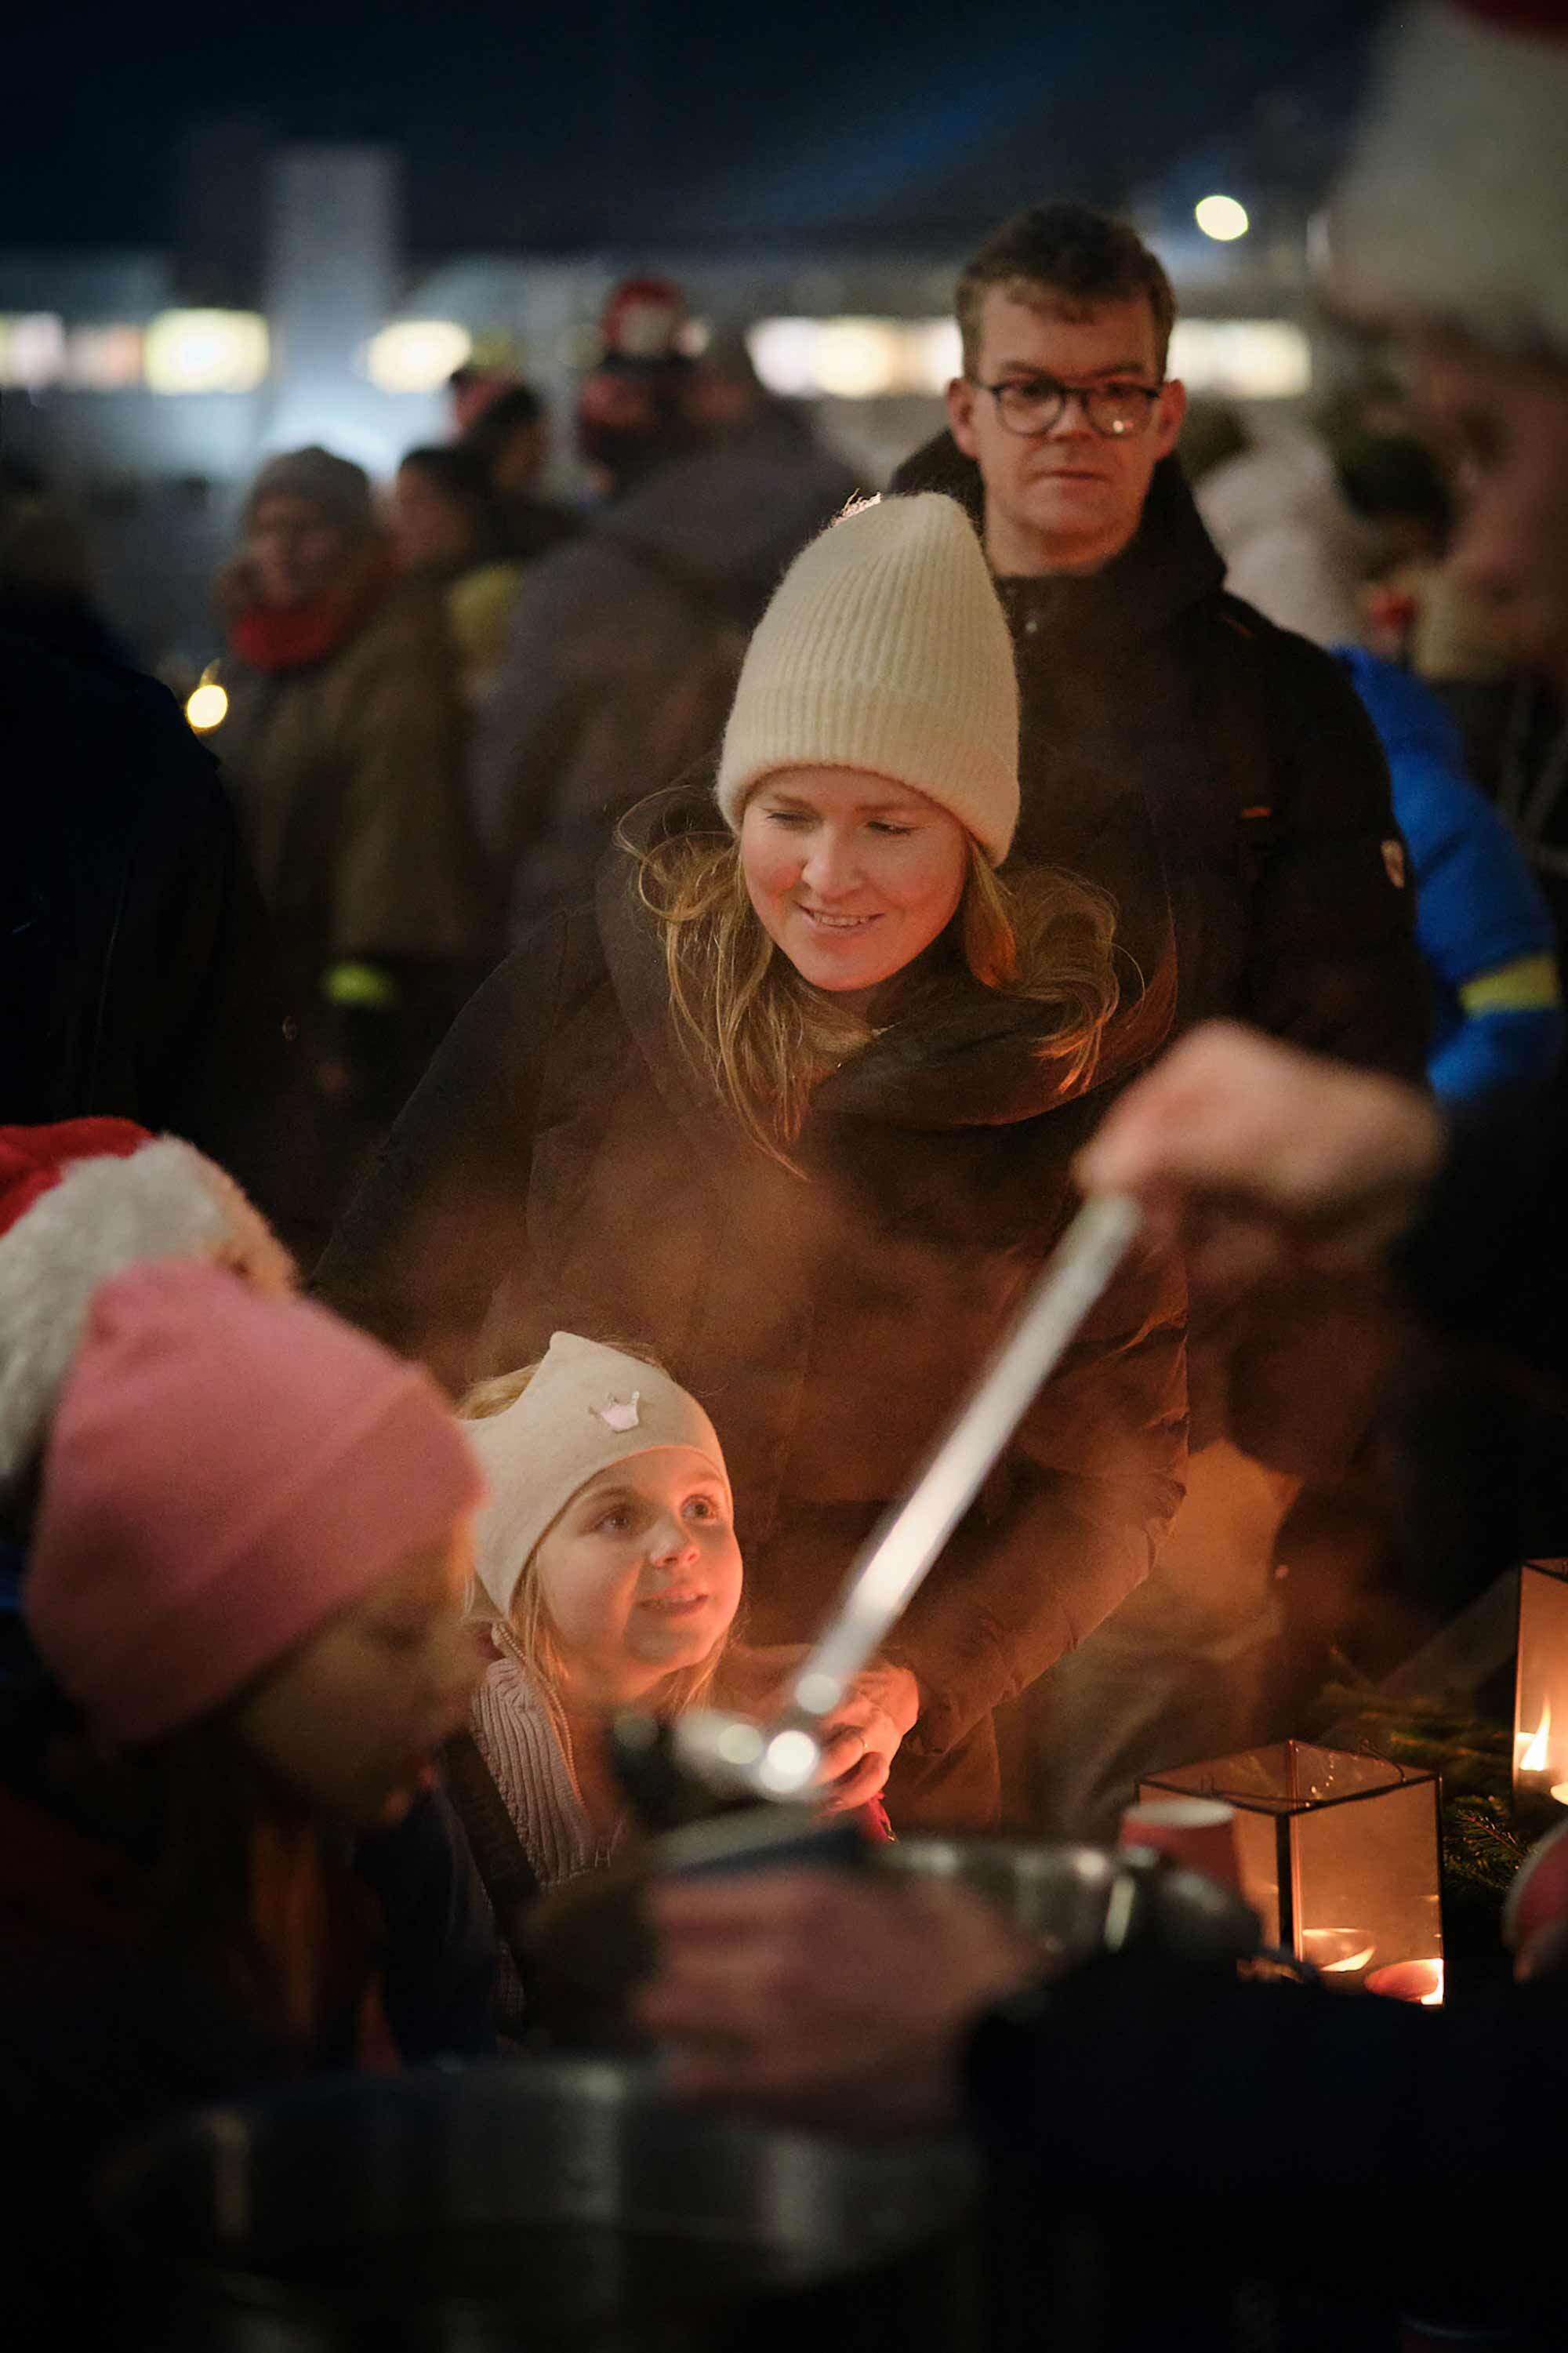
[{"x": 343, "y": 744}]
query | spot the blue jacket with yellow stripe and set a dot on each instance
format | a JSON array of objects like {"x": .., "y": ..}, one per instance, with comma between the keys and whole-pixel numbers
[{"x": 1481, "y": 920}]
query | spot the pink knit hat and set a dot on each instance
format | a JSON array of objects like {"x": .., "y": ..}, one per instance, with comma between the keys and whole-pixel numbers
[{"x": 225, "y": 1472}]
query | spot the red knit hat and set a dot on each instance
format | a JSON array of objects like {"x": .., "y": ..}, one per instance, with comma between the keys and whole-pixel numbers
[
  {"x": 81, "y": 1201},
  {"x": 225, "y": 1472},
  {"x": 32, "y": 1159}
]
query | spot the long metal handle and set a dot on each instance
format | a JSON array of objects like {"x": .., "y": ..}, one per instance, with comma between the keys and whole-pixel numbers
[{"x": 888, "y": 1574}]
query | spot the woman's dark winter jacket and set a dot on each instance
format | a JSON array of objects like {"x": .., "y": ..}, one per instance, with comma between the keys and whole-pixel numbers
[
  {"x": 1151, "y": 699},
  {"x": 562, "y": 1167}
]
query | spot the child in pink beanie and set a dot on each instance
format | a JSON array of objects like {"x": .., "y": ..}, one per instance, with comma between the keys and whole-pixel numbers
[{"x": 244, "y": 1596}]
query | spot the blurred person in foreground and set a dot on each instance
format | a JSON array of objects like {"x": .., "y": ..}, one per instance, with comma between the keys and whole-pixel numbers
[
  {"x": 509, "y": 441},
  {"x": 1219, "y": 775},
  {"x": 344, "y": 746},
  {"x": 447, "y": 529},
  {"x": 810, "y": 1995},
  {"x": 244, "y": 1645},
  {"x": 625, "y": 645}
]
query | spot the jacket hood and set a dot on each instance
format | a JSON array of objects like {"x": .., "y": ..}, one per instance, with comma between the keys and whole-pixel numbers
[
  {"x": 727, "y": 519},
  {"x": 969, "y": 1060},
  {"x": 1169, "y": 563}
]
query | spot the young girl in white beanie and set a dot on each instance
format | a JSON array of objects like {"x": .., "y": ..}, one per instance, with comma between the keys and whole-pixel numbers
[
  {"x": 607, "y": 1575},
  {"x": 796, "y": 1102}
]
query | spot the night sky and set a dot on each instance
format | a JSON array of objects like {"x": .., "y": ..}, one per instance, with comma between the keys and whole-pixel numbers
[{"x": 696, "y": 122}]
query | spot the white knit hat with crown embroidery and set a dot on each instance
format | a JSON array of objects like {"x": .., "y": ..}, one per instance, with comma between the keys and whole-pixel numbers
[
  {"x": 587, "y": 1407},
  {"x": 884, "y": 648}
]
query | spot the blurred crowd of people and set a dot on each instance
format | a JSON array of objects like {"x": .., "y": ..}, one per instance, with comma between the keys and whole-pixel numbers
[{"x": 663, "y": 972}]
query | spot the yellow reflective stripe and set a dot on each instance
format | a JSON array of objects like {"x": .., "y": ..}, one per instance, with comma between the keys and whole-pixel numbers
[
  {"x": 360, "y": 983},
  {"x": 1528, "y": 985}
]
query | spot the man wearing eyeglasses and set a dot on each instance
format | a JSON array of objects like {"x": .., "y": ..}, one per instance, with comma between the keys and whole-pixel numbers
[{"x": 1219, "y": 778}]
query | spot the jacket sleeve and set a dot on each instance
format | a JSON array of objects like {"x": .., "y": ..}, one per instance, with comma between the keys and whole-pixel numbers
[
  {"x": 1069, "y": 1523},
  {"x": 443, "y": 1216},
  {"x": 407, "y": 879},
  {"x": 1333, "y": 964}
]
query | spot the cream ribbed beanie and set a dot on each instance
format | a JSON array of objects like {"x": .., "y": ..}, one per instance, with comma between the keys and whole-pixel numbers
[
  {"x": 884, "y": 648},
  {"x": 587, "y": 1407}
]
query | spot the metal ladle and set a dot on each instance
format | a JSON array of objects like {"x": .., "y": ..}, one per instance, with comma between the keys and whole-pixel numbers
[{"x": 735, "y": 1759}]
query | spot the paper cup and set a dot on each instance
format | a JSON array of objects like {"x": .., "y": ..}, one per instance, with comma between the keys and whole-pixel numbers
[{"x": 1197, "y": 1833}]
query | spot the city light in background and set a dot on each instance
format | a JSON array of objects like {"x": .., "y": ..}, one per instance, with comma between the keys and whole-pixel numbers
[
  {"x": 206, "y": 351},
  {"x": 1221, "y": 217},
  {"x": 416, "y": 355},
  {"x": 871, "y": 359},
  {"x": 206, "y": 706}
]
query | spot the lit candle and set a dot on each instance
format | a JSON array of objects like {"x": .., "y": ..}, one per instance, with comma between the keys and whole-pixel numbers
[
  {"x": 1419, "y": 1981},
  {"x": 1559, "y": 1791}
]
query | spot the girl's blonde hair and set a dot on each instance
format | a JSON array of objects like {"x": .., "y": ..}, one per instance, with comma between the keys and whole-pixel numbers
[
  {"x": 765, "y": 1039},
  {"x": 529, "y": 1620}
]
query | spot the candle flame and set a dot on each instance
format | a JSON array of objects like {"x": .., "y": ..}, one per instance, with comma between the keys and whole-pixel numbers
[
  {"x": 1533, "y": 1759},
  {"x": 1434, "y": 2000}
]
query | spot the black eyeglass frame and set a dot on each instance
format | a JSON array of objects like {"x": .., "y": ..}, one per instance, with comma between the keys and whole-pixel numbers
[{"x": 1085, "y": 395}]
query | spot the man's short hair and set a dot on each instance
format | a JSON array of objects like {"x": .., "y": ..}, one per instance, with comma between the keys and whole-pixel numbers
[{"x": 1074, "y": 256}]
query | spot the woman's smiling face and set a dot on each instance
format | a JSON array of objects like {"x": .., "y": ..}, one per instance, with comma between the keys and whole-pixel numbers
[{"x": 852, "y": 876}]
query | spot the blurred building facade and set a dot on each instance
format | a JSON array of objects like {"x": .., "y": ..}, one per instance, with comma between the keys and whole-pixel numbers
[{"x": 148, "y": 386}]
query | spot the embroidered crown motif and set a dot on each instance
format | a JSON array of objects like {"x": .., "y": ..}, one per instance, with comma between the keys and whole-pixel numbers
[{"x": 621, "y": 1413}]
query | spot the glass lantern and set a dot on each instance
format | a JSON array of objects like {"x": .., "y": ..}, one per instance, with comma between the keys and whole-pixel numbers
[
  {"x": 1339, "y": 1854},
  {"x": 1541, "y": 1686}
]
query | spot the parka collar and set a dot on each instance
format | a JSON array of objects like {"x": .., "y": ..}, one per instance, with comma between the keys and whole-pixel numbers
[
  {"x": 1169, "y": 563},
  {"x": 970, "y": 1062}
]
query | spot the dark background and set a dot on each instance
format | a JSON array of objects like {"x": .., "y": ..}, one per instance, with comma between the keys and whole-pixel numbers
[{"x": 701, "y": 123}]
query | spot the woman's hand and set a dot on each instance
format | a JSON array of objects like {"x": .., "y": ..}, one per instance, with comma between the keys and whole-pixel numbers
[
  {"x": 864, "y": 1734},
  {"x": 860, "y": 1739},
  {"x": 1255, "y": 1157},
  {"x": 826, "y": 1998}
]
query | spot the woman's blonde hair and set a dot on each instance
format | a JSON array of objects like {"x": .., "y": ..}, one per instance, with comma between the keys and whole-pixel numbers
[
  {"x": 528, "y": 1622},
  {"x": 765, "y": 1039}
]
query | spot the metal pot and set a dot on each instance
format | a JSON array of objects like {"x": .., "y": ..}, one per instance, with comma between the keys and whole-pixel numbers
[
  {"x": 557, "y": 2203},
  {"x": 1077, "y": 1901}
]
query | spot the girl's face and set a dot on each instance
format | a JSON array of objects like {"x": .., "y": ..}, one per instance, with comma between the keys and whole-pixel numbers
[
  {"x": 851, "y": 875},
  {"x": 350, "y": 1719},
  {"x": 641, "y": 1573}
]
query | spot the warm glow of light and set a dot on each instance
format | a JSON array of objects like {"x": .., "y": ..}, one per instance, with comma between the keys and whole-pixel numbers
[
  {"x": 416, "y": 355},
  {"x": 1537, "y": 1749},
  {"x": 103, "y": 359},
  {"x": 32, "y": 350},
  {"x": 855, "y": 359},
  {"x": 935, "y": 353},
  {"x": 206, "y": 351},
  {"x": 1417, "y": 1981},
  {"x": 207, "y": 706},
  {"x": 1242, "y": 359},
  {"x": 1351, "y": 1962},
  {"x": 1221, "y": 217}
]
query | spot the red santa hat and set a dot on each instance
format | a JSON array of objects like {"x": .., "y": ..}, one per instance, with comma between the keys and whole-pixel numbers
[
  {"x": 1454, "y": 209},
  {"x": 83, "y": 1200}
]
